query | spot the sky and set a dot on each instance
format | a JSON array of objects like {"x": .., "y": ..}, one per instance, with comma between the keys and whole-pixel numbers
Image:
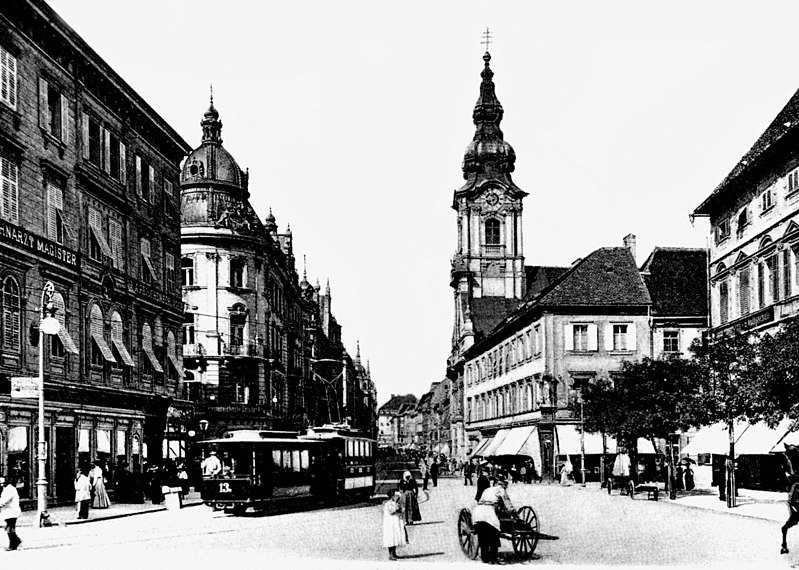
[{"x": 353, "y": 116}]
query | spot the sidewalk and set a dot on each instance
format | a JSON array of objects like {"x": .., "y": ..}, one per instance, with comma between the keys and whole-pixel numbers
[{"x": 67, "y": 515}]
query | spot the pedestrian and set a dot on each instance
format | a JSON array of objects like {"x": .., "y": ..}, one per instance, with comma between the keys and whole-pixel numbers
[
  {"x": 97, "y": 481},
  {"x": 678, "y": 478},
  {"x": 211, "y": 465},
  {"x": 468, "y": 471},
  {"x": 486, "y": 521},
  {"x": 394, "y": 531},
  {"x": 425, "y": 472},
  {"x": 793, "y": 510},
  {"x": 122, "y": 483},
  {"x": 434, "y": 472},
  {"x": 410, "y": 498},
  {"x": 566, "y": 472},
  {"x": 689, "y": 478},
  {"x": 183, "y": 480},
  {"x": 621, "y": 471},
  {"x": 156, "y": 482},
  {"x": 523, "y": 473},
  {"x": 83, "y": 494},
  {"x": 10, "y": 511},
  {"x": 482, "y": 482}
]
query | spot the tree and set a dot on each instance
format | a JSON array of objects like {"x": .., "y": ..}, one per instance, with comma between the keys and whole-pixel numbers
[
  {"x": 779, "y": 363},
  {"x": 732, "y": 389}
]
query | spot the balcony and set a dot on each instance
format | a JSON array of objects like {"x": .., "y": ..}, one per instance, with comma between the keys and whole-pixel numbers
[
  {"x": 493, "y": 251},
  {"x": 241, "y": 350},
  {"x": 195, "y": 349}
]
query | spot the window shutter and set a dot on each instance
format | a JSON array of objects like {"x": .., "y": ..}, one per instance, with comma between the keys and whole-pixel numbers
[
  {"x": 145, "y": 247},
  {"x": 97, "y": 322},
  {"x": 632, "y": 341},
  {"x": 10, "y": 188},
  {"x": 151, "y": 174},
  {"x": 138, "y": 175},
  {"x": 608, "y": 337},
  {"x": 84, "y": 128},
  {"x": 44, "y": 110},
  {"x": 593, "y": 331},
  {"x": 123, "y": 165},
  {"x": 64, "y": 119},
  {"x": 568, "y": 337},
  {"x": 115, "y": 233},
  {"x": 106, "y": 150},
  {"x": 55, "y": 202},
  {"x": 158, "y": 332}
]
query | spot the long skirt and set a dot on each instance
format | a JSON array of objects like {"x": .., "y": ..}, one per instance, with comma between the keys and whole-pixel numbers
[
  {"x": 101, "y": 500},
  {"x": 410, "y": 507}
]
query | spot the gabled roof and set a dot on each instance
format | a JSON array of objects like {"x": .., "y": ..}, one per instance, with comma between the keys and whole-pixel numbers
[
  {"x": 677, "y": 281},
  {"x": 786, "y": 121},
  {"x": 607, "y": 277},
  {"x": 396, "y": 404}
]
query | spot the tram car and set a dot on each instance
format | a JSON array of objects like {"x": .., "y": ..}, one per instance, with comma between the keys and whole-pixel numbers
[{"x": 326, "y": 465}]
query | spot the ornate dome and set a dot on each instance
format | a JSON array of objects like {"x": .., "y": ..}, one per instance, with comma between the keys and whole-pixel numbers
[{"x": 210, "y": 161}]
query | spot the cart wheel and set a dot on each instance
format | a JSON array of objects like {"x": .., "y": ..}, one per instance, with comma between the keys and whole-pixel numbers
[
  {"x": 525, "y": 533},
  {"x": 631, "y": 489},
  {"x": 466, "y": 538}
]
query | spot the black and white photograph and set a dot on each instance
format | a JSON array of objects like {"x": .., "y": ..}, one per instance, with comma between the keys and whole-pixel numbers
[{"x": 434, "y": 284}]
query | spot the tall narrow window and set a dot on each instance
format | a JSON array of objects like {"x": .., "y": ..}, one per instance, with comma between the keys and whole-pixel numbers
[
  {"x": 148, "y": 274},
  {"x": 771, "y": 271},
  {"x": 62, "y": 341},
  {"x": 237, "y": 272},
  {"x": 118, "y": 341},
  {"x": 743, "y": 291},
  {"x": 9, "y": 207},
  {"x": 169, "y": 271},
  {"x": 761, "y": 285},
  {"x": 100, "y": 351},
  {"x": 492, "y": 232},
  {"x": 793, "y": 181},
  {"x": 150, "y": 362},
  {"x": 671, "y": 341},
  {"x": 724, "y": 302},
  {"x": 187, "y": 271},
  {"x": 117, "y": 251},
  {"x": 11, "y": 315},
  {"x": 98, "y": 246},
  {"x": 238, "y": 319},
  {"x": 786, "y": 272},
  {"x": 619, "y": 337},
  {"x": 8, "y": 81},
  {"x": 55, "y": 213},
  {"x": 188, "y": 328}
]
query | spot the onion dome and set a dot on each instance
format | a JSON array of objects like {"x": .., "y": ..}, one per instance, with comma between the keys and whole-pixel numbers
[
  {"x": 304, "y": 284},
  {"x": 211, "y": 162},
  {"x": 488, "y": 152},
  {"x": 269, "y": 222}
]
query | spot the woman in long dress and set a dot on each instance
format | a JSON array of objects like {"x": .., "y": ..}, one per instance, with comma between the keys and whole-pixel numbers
[
  {"x": 410, "y": 498},
  {"x": 394, "y": 533},
  {"x": 97, "y": 478}
]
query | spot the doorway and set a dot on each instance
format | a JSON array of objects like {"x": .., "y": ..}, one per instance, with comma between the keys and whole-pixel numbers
[{"x": 64, "y": 464}]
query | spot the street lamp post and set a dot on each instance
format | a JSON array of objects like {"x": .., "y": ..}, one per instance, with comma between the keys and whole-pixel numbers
[
  {"x": 47, "y": 325},
  {"x": 582, "y": 439}
]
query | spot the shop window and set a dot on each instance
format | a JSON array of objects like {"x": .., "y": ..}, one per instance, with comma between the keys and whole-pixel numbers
[
  {"x": 84, "y": 448},
  {"x": 18, "y": 463}
]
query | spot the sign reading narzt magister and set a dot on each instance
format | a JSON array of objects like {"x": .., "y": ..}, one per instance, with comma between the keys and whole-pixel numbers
[
  {"x": 25, "y": 387},
  {"x": 17, "y": 236}
]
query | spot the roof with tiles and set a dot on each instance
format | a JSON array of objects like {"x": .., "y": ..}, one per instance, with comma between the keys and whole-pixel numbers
[
  {"x": 396, "y": 404},
  {"x": 786, "y": 121},
  {"x": 677, "y": 281}
]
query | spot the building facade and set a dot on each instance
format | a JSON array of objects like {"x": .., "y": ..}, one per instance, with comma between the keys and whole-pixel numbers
[
  {"x": 396, "y": 424},
  {"x": 89, "y": 207},
  {"x": 754, "y": 232},
  {"x": 261, "y": 347}
]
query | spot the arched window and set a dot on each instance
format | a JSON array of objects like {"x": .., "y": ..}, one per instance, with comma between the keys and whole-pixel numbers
[
  {"x": 172, "y": 353},
  {"x": 492, "y": 231},
  {"x": 62, "y": 342},
  {"x": 238, "y": 319},
  {"x": 187, "y": 271},
  {"x": 11, "y": 315}
]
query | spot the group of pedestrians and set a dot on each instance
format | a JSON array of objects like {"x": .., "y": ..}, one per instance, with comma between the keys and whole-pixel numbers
[
  {"x": 90, "y": 489},
  {"x": 399, "y": 511}
]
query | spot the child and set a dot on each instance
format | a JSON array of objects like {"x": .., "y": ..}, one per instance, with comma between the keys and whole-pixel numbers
[{"x": 394, "y": 533}]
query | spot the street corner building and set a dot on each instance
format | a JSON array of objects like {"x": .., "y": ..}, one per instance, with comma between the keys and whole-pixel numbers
[
  {"x": 262, "y": 348},
  {"x": 525, "y": 337},
  {"x": 90, "y": 205}
]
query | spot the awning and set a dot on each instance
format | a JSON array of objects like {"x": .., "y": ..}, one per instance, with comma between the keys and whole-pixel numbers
[
  {"x": 153, "y": 360},
  {"x": 123, "y": 352},
  {"x": 98, "y": 235},
  {"x": 176, "y": 363},
  {"x": 713, "y": 439},
  {"x": 645, "y": 446},
  {"x": 107, "y": 354},
  {"x": 568, "y": 440},
  {"x": 498, "y": 439},
  {"x": 532, "y": 448},
  {"x": 484, "y": 443},
  {"x": 514, "y": 441},
  {"x": 759, "y": 439},
  {"x": 66, "y": 340},
  {"x": 790, "y": 437}
]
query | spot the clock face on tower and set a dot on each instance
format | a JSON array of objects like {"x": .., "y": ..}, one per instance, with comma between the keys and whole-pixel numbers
[{"x": 492, "y": 199}]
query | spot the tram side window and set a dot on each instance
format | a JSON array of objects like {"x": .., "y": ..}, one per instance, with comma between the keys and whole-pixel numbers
[
  {"x": 305, "y": 461},
  {"x": 295, "y": 459}
]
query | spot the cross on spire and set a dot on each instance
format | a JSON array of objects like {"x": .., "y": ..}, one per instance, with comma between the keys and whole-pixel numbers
[{"x": 486, "y": 41}]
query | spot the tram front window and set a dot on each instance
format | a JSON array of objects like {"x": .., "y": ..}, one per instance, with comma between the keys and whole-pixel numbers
[{"x": 236, "y": 461}]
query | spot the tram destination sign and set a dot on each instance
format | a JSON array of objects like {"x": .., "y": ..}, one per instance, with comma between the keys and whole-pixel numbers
[
  {"x": 15, "y": 235},
  {"x": 24, "y": 387}
]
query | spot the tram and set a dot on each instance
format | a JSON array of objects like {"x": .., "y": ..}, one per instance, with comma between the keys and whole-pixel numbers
[{"x": 329, "y": 464}]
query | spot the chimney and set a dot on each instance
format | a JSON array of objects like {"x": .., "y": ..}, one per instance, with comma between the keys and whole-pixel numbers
[{"x": 629, "y": 243}]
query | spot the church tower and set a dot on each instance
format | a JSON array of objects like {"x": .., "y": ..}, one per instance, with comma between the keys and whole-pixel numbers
[{"x": 487, "y": 275}]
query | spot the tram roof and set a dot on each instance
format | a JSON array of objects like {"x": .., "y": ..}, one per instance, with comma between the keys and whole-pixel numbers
[{"x": 256, "y": 436}]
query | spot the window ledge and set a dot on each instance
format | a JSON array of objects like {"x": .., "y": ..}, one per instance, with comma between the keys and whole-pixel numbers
[
  {"x": 767, "y": 210},
  {"x": 792, "y": 195}
]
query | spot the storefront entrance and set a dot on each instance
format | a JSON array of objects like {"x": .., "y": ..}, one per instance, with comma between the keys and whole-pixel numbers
[{"x": 64, "y": 464}]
